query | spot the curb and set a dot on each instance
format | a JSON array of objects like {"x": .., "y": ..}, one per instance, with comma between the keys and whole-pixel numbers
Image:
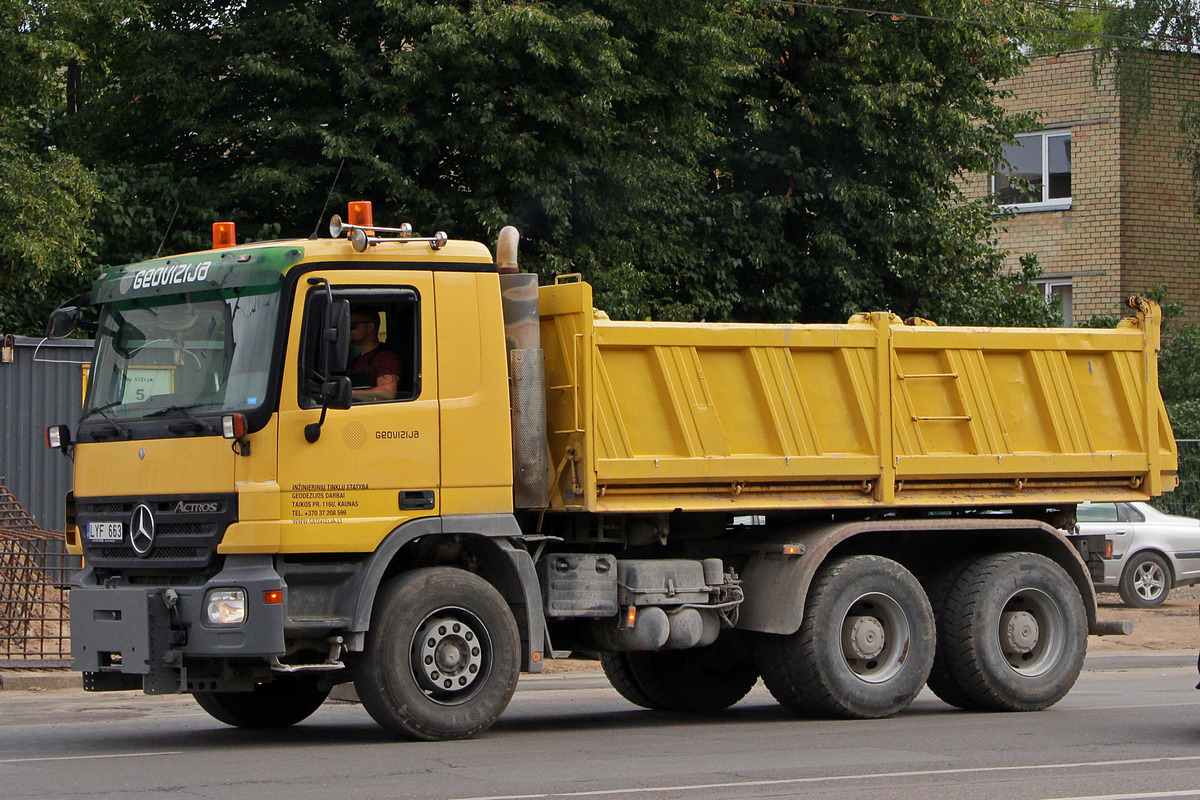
[
  {"x": 48, "y": 680},
  {"x": 1139, "y": 660},
  {"x": 39, "y": 680}
]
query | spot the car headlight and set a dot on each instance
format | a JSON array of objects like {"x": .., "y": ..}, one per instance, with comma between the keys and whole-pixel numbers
[{"x": 225, "y": 608}]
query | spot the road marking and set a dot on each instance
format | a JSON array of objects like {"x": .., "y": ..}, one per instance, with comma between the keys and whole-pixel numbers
[
  {"x": 85, "y": 758},
  {"x": 1127, "y": 796},
  {"x": 869, "y": 776}
]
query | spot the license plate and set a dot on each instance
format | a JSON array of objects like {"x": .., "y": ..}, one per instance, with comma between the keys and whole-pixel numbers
[{"x": 105, "y": 531}]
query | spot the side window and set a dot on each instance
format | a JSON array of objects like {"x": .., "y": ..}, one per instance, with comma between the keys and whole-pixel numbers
[
  {"x": 1096, "y": 512},
  {"x": 1131, "y": 514},
  {"x": 385, "y": 345}
]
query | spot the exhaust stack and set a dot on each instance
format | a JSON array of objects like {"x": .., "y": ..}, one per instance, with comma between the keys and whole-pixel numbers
[{"x": 527, "y": 375}]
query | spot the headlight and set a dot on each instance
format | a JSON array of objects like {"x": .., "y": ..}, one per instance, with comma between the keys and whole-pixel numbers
[{"x": 225, "y": 608}]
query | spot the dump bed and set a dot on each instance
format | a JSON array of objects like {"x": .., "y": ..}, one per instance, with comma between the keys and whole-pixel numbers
[{"x": 649, "y": 416}]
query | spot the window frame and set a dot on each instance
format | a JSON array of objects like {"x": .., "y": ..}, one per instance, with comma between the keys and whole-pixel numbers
[
  {"x": 1046, "y": 203},
  {"x": 394, "y": 295},
  {"x": 1047, "y": 287}
]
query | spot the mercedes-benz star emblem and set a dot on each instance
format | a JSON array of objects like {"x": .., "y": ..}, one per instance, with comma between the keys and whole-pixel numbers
[{"x": 141, "y": 529}]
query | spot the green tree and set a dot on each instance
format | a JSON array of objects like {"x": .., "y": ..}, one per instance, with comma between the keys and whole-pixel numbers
[
  {"x": 46, "y": 195},
  {"x": 582, "y": 123},
  {"x": 840, "y": 170},
  {"x": 705, "y": 159}
]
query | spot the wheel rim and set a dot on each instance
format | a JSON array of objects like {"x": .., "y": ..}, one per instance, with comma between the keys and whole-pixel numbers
[
  {"x": 1032, "y": 631},
  {"x": 1148, "y": 580},
  {"x": 451, "y": 655},
  {"x": 875, "y": 637}
]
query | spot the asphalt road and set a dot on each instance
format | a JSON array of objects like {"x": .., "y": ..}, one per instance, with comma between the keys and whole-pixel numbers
[{"x": 1125, "y": 731}]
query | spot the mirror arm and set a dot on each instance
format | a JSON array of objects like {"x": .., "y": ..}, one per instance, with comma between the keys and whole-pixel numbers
[{"x": 312, "y": 431}]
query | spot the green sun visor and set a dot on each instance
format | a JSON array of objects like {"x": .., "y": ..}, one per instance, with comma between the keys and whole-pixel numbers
[{"x": 247, "y": 270}]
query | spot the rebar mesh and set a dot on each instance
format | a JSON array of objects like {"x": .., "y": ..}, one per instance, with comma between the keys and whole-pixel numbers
[{"x": 34, "y": 572}]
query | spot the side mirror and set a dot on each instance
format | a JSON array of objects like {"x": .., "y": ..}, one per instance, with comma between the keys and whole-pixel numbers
[
  {"x": 62, "y": 322},
  {"x": 337, "y": 337},
  {"x": 337, "y": 392}
]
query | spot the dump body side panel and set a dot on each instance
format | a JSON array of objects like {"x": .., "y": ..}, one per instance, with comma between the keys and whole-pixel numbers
[{"x": 658, "y": 416}]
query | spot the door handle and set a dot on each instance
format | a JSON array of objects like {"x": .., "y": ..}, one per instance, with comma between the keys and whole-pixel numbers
[{"x": 416, "y": 500}]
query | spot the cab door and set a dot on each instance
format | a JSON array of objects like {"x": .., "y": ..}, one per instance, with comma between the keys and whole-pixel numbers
[{"x": 376, "y": 464}]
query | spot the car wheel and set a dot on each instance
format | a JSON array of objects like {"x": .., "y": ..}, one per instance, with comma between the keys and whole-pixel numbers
[{"x": 1146, "y": 581}]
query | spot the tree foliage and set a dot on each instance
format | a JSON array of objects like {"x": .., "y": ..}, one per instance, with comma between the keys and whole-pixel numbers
[
  {"x": 697, "y": 160},
  {"x": 46, "y": 195},
  {"x": 1161, "y": 26}
]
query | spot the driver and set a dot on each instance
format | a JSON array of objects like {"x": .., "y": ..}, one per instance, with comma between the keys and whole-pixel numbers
[{"x": 375, "y": 374}]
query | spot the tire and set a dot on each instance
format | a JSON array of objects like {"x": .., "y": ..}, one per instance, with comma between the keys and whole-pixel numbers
[
  {"x": 442, "y": 657},
  {"x": 1145, "y": 581},
  {"x": 1013, "y": 633},
  {"x": 704, "y": 679},
  {"x": 620, "y": 674},
  {"x": 864, "y": 648},
  {"x": 279, "y": 704},
  {"x": 941, "y": 682}
]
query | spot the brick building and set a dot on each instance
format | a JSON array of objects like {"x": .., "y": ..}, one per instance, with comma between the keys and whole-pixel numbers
[{"x": 1112, "y": 208}]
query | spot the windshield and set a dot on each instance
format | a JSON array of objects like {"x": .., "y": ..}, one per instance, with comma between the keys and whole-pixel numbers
[{"x": 179, "y": 354}]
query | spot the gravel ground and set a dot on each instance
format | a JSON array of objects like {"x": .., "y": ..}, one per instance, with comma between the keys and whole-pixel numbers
[{"x": 1175, "y": 625}]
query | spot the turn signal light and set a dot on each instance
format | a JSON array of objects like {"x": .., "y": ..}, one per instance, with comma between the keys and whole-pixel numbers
[
  {"x": 233, "y": 426},
  {"x": 272, "y": 597},
  {"x": 57, "y": 437}
]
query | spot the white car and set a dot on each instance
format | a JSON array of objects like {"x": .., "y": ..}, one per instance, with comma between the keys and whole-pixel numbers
[{"x": 1151, "y": 551}]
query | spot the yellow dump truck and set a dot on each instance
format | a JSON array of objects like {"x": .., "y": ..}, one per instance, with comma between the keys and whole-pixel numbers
[{"x": 396, "y": 460}]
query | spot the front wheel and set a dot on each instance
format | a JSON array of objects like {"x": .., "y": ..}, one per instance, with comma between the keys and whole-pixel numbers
[
  {"x": 442, "y": 657},
  {"x": 279, "y": 704},
  {"x": 1145, "y": 581},
  {"x": 865, "y": 645},
  {"x": 1012, "y": 633}
]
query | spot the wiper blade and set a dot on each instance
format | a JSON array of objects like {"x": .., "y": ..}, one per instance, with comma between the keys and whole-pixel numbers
[
  {"x": 204, "y": 424},
  {"x": 103, "y": 411}
]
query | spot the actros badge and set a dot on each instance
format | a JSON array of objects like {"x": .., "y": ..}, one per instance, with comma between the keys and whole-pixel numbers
[{"x": 141, "y": 529}]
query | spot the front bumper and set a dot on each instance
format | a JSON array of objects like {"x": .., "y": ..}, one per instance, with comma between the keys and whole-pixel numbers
[{"x": 155, "y": 634}]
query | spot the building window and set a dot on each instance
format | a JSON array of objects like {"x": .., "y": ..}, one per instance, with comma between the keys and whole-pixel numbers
[
  {"x": 1058, "y": 293},
  {"x": 1035, "y": 173}
]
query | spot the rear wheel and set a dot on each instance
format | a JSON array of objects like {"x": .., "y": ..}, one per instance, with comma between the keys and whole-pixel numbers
[
  {"x": 283, "y": 702},
  {"x": 941, "y": 681},
  {"x": 1145, "y": 581},
  {"x": 864, "y": 648},
  {"x": 701, "y": 679},
  {"x": 1012, "y": 634},
  {"x": 442, "y": 657}
]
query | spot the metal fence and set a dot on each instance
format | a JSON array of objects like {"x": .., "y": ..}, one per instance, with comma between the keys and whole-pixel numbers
[
  {"x": 41, "y": 386},
  {"x": 1185, "y": 500},
  {"x": 35, "y": 630}
]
